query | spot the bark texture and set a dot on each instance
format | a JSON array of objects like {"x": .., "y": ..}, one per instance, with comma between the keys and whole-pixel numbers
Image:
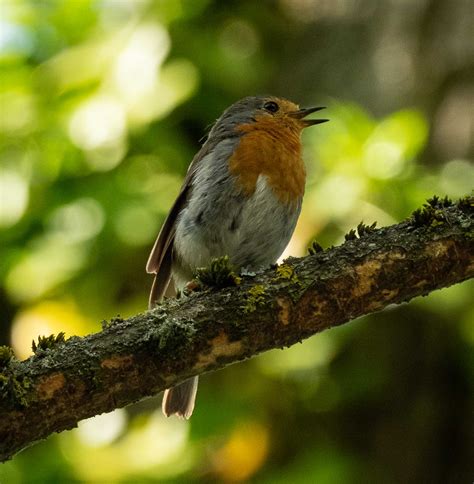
[{"x": 211, "y": 328}]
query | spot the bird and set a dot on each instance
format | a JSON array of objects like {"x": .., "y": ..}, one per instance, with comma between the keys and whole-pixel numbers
[{"x": 241, "y": 198}]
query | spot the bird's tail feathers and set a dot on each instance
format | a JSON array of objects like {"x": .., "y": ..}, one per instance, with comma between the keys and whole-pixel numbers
[{"x": 180, "y": 399}]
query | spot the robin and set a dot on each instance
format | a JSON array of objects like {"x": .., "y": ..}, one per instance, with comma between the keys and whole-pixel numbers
[{"x": 241, "y": 197}]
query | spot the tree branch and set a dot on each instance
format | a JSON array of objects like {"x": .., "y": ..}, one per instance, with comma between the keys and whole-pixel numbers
[{"x": 209, "y": 329}]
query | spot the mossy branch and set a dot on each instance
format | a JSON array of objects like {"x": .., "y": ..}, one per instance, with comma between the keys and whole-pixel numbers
[{"x": 66, "y": 381}]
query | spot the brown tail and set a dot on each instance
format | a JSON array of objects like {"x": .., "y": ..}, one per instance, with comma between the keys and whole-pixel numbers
[
  {"x": 162, "y": 283},
  {"x": 180, "y": 399}
]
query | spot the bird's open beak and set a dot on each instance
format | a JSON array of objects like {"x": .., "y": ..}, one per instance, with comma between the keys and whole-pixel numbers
[{"x": 302, "y": 113}]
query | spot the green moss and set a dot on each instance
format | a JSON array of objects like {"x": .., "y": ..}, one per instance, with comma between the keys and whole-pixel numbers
[
  {"x": 315, "y": 248},
  {"x": 466, "y": 204},
  {"x": 4, "y": 384},
  {"x": 364, "y": 230},
  {"x": 285, "y": 272},
  {"x": 427, "y": 215},
  {"x": 47, "y": 342},
  {"x": 175, "y": 334},
  {"x": 219, "y": 273},
  {"x": 14, "y": 389},
  {"x": 421, "y": 216},
  {"x": 107, "y": 324},
  {"x": 351, "y": 235},
  {"x": 432, "y": 213},
  {"x": 20, "y": 390},
  {"x": 6, "y": 354},
  {"x": 255, "y": 296},
  {"x": 436, "y": 202}
]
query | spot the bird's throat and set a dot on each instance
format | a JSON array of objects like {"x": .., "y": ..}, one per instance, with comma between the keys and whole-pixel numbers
[{"x": 273, "y": 149}]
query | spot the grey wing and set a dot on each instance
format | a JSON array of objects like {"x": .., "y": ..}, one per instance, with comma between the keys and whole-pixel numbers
[{"x": 160, "y": 260}]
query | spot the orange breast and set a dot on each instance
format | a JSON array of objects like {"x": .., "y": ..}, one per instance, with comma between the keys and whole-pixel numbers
[{"x": 271, "y": 148}]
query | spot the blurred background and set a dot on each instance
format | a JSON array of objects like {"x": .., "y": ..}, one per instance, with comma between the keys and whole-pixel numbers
[{"x": 103, "y": 104}]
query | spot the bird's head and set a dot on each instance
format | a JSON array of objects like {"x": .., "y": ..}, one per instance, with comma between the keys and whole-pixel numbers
[{"x": 267, "y": 112}]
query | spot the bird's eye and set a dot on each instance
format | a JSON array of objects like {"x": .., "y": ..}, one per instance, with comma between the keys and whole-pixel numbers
[{"x": 271, "y": 106}]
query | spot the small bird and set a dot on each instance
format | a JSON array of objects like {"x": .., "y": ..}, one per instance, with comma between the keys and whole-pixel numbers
[{"x": 241, "y": 198}]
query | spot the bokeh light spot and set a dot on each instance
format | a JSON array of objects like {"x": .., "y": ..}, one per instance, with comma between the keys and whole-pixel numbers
[
  {"x": 106, "y": 157},
  {"x": 78, "y": 221},
  {"x": 45, "y": 266},
  {"x": 14, "y": 39},
  {"x": 177, "y": 81},
  {"x": 137, "y": 67},
  {"x": 152, "y": 446},
  {"x": 17, "y": 112},
  {"x": 244, "y": 453},
  {"x": 43, "y": 319},
  {"x": 13, "y": 197},
  {"x": 327, "y": 196},
  {"x": 383, "y": 159},
  {"x": 97, "y": 122},
  {"x": 136, "y": 225},
  {"x": 239, "y": 39},
  {"x": 311, "y": 353},
  {"x": 457, "y": 178},
  {"x": 102, "y": 429}
]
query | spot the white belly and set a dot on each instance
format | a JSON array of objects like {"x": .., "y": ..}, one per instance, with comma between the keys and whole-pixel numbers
[{"x": 253, "y": 231}]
